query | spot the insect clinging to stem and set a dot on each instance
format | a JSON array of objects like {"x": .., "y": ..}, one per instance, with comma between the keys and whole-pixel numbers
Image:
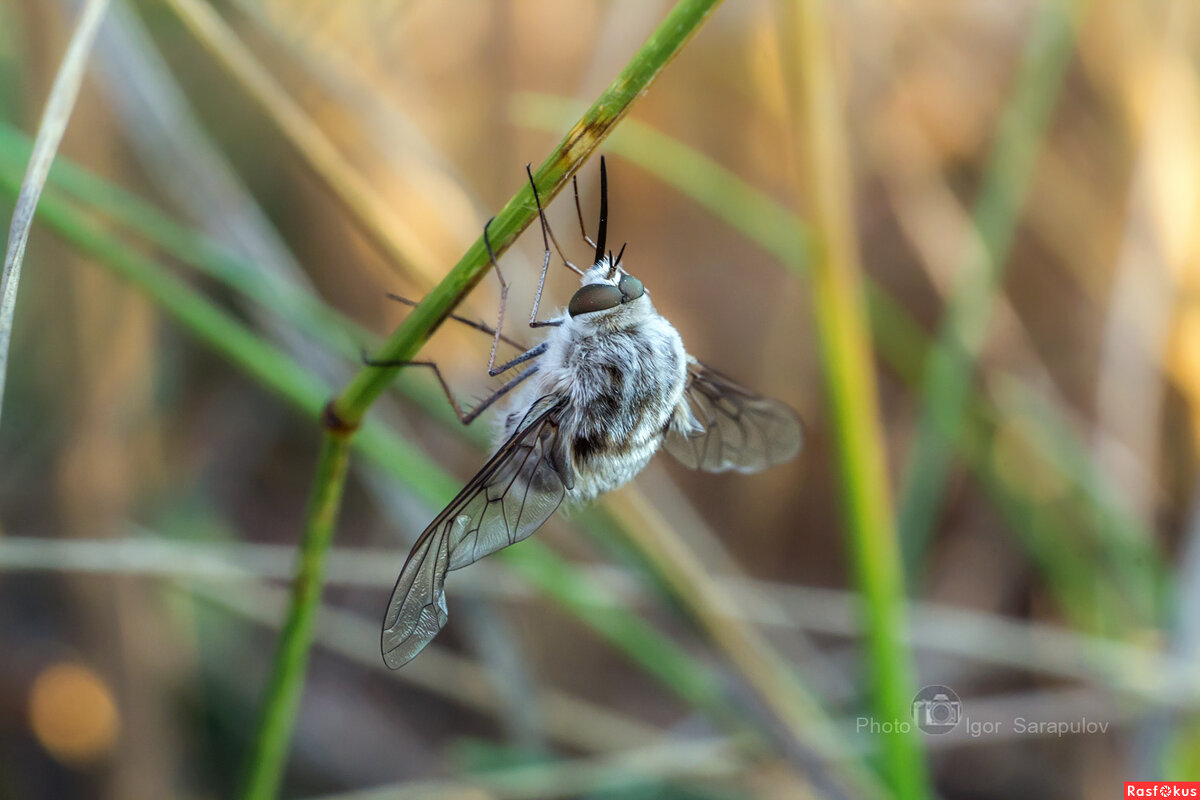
[{"x": 591, "y": 404}]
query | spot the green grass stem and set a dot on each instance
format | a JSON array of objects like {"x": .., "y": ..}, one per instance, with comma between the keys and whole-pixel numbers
[
  {"x": 282, "y": 702},
  {"x": 844, "y": 344},
  {"x": 947, "y": 378},
  {"x": 551, "y": 176}
]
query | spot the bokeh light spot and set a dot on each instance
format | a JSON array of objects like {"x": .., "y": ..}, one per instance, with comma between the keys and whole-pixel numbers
[{"x": 73, "y": 714}]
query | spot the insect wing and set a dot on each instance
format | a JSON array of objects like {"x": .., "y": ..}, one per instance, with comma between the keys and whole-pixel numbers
[
  {"x": 515, "y": 492},
  {"x": 738, "y": 429}
]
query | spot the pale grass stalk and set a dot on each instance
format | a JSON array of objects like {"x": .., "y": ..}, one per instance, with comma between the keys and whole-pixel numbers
[
  {"x": 57, "y": 113},
  {"x": 1144, "y": 674},
  {"x": 686, "y": 761},
  {"x": 570, "y": 720},
  {"x": 399, "y": 243},
  {"x": 714, "y": 609}
]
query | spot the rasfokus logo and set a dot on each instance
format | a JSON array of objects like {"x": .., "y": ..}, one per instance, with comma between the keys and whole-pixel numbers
[{"x": 1162, "y": 789}]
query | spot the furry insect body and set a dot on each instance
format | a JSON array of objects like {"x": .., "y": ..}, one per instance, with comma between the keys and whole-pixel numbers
[
  {"x": 623, "y": 372},
  {"x": 611, "y": 385}
]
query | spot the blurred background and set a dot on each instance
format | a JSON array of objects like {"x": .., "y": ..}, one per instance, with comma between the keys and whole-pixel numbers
[{"x": 1025, "y": 187}]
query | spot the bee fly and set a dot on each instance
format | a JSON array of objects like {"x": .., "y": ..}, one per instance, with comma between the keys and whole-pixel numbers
[{"x": 609, "y": 386}]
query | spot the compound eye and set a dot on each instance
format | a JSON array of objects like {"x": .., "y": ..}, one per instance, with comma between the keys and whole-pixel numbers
[
  {"x": 594, "y": 297},
  {"x": 631, "y": 288}
]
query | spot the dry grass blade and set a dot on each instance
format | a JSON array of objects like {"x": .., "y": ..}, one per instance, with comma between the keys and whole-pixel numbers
[
  {"x": 49, "y": 135},
  {"x": 401, "y": 245},
  {"x": 714, "y": 608},
  {"x": 569, "y": 719},
  {"x": 589, "y": 777},
  {"x": 1150, "y": 676}
]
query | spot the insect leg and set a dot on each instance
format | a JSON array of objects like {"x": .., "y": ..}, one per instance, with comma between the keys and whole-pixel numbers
[
  {"x": 532, "y": 352},
  {"x": 470, "y": 323},
  {"x": 469, "y": 416},
  {"x": 546, "y": 226},
  {"x": 579, "y": 212},
  {"x": 534, "y": 322},
  {"x": 529, "y": 354},
  {"x": 503, "y": 296}
]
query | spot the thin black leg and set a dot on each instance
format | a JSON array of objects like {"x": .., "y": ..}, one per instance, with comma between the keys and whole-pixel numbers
[
  {"x": 532, "y": 352},
  {"x": 503, "y": 297},
  {"x": 470, "y": 323},
  {"x": 534, "y": 322},
  {"x": 465, "y": 417}
]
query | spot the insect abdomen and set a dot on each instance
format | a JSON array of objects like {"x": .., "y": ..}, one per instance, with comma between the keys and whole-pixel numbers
[{"x": 625, "y": 387}]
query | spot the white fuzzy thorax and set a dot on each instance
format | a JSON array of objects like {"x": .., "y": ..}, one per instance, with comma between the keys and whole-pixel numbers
[{"x": 623, "y": 370}]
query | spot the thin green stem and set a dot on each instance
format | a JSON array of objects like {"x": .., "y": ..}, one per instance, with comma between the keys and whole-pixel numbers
[
  {"x": 947, "y": 380},
  {"x": 291, "y": 660},
  {"x": 747, "y": 209}
]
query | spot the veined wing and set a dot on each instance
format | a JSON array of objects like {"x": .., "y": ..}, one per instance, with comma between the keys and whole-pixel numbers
[
  {"x": 515, "y": 492},
  {"x": 738, "y": 429}
]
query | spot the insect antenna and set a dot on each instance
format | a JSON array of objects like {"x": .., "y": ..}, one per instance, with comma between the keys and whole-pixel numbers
[
  {"x": 620, "y": 253},
  {"x": 602, "y": 233}
]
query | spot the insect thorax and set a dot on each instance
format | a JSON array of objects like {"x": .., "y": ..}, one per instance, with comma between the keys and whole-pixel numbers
[{"x": 623, "y": 383}]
